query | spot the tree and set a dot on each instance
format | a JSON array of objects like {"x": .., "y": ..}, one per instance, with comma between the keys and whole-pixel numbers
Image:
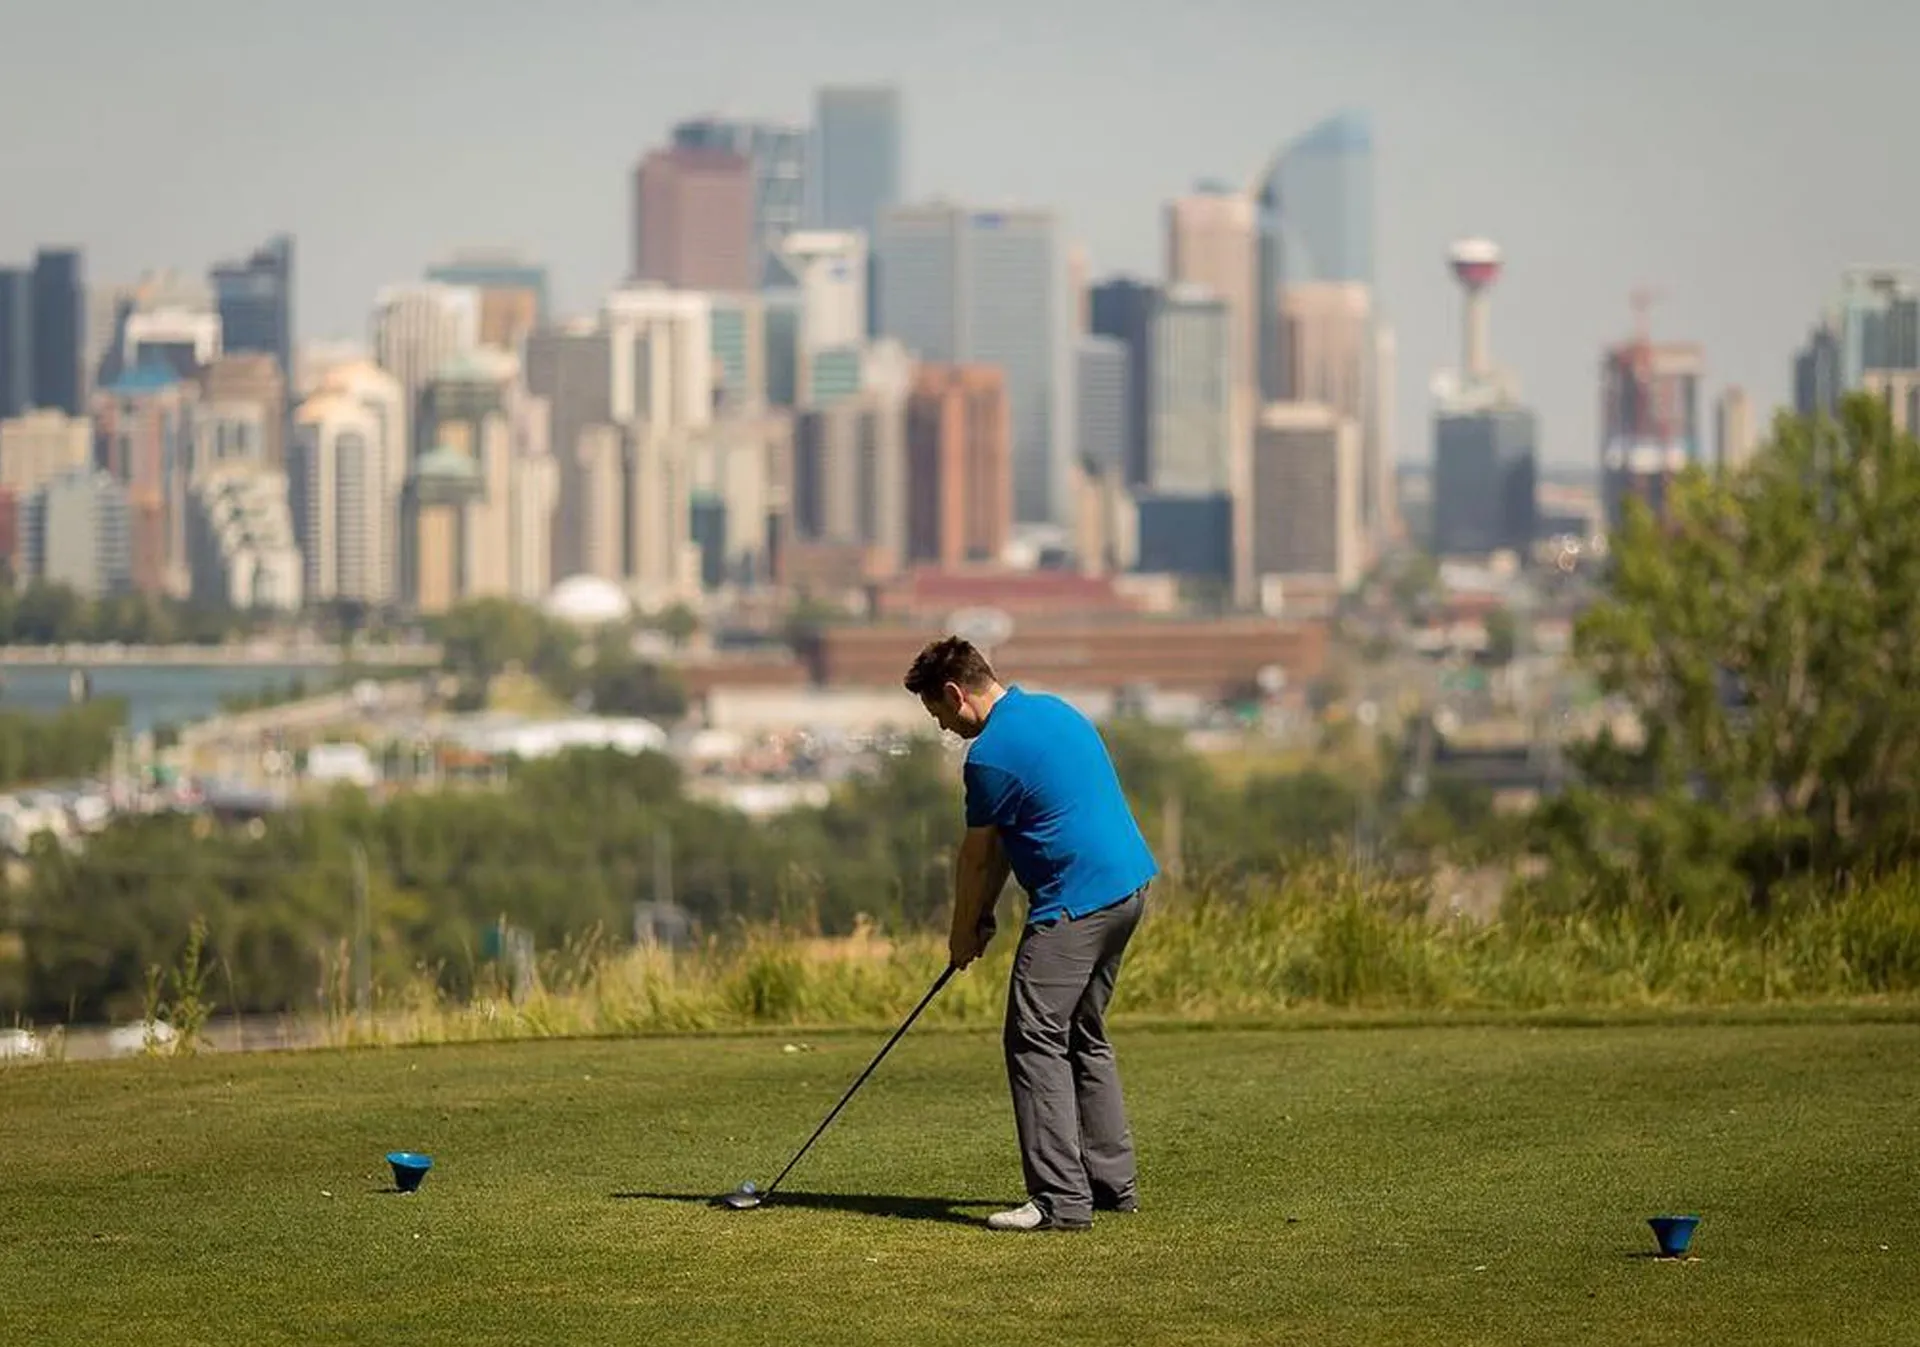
[
  {"x": 1766, "y": 640},
  {"x": 678, "y": 623},
  {"x": 481, "y": 637},
  {"x": 1502, "y": 636}
]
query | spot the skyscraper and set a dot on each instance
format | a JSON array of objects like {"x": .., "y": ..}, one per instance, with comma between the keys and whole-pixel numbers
[
  {"x": 58, "y": 297},
  {"x": 1306, "y": 496},
  {"x": 1816, "y": 373},
  {"x": 1102, "y": 373},
  {"x": 858, "y": 155},
  {"x": 416, "y": 329},
  {"x": 1125, "y": 310},
  {"x": 255, "y": 300},
  {"x": 959, "y": 488},
  {"x": 1879, "y": 323},
  {"x": 1650, "y": 421},
  {"x": 1316, "y": 224},
  {"x": 1211, "y": 242},
  {"x": 340, "y": 501},
  {"x": 370, "y": 403},
  {"x": 77, "y": 534},
  {"x": 778, "y": 155},
  {"x": 1733, "y": 433},
  {"x": 693, "y": 220},
  {"x": 1190, "y": 399},
  {"x": 738, "y": 334},
  {"x": 143, "y": 425},
  {"x": 1485, "y": 442},
  {"x": 16, "y": 343},
  {"x": 829, "y": 269},
  {"x": 983, "y": 287},
  {"x": 571, "y": 369}
]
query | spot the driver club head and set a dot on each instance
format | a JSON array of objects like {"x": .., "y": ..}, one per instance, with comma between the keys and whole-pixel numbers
[{"x": 744, "y": 1198}]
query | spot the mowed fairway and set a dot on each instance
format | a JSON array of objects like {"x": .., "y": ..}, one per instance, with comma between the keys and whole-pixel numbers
[{"x": 1389, "y": 1185}]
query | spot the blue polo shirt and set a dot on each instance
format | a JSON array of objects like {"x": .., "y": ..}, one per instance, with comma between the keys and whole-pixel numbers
[{"x": 1040, "y": 773}]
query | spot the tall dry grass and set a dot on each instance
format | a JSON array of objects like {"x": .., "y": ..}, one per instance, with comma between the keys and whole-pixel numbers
[{"x": 1328, "y": 937}]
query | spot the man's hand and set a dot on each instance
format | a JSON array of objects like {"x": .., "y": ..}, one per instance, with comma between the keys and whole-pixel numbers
[{"x": 963, "y": 947}]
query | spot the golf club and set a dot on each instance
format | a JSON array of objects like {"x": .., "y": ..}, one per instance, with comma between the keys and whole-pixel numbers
[{"x": 746, "y": 1196}]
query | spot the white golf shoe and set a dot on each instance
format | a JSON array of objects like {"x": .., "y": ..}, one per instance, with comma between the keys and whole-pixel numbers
[{"x": 1031, "y": 1216}]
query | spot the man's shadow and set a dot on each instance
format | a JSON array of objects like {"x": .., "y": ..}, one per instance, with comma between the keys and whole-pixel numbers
[{"x": 946, "y": 1209}]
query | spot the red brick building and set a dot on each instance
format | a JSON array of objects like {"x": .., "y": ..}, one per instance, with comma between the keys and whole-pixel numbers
[{"x": 1220, "y": 657}]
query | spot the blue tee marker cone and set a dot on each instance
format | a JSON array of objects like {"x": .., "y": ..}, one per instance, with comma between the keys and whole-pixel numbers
[
  {"x": 1675, "y": 1234},
  {"x": 409, "y": 1167}
]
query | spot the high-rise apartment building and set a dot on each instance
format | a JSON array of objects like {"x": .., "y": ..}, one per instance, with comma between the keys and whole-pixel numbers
[
  {"x": 693, "y": 220},
  {"x": 341, "y": 499},
  {"x": 968, "y": 286},
  {"x": 959, "y": 469},
  {"x": 254, "y": 299},
  {"x": 378, "y": 394},
  {"x": 857, "y": 158}
]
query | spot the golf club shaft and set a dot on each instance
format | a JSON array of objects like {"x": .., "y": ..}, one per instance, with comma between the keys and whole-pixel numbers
[{"x": 932, "y": 992}]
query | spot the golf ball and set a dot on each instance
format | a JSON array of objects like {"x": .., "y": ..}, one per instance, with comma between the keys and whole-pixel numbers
[{"x": 748, "y": 1187}]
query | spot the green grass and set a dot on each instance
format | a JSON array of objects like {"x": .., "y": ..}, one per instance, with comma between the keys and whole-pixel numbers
[{"x": 1480, "y": 1184}]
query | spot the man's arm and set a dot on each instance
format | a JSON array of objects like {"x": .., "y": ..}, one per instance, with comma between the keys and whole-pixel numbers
[{"x": 980, "y": 870}]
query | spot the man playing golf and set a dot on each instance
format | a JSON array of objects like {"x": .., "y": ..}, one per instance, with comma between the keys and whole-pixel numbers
[{"x": 1044, "y": 804}]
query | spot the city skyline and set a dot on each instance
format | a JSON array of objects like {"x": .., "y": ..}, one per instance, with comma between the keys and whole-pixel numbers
[{"x": 1508, "y": 126}]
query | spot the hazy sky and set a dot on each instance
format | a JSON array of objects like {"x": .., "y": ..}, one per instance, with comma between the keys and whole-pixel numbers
[{"x": 1734, "y": 154}]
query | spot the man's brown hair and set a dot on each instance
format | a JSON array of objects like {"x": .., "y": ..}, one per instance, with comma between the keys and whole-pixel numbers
[{"x": 952, "y": 659}]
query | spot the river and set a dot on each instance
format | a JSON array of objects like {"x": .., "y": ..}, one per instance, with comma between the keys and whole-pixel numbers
[{"x": 155, "y": 694}]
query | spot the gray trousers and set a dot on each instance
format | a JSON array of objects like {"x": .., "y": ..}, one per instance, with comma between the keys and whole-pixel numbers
[{"x": 1075, "y": 1145}]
